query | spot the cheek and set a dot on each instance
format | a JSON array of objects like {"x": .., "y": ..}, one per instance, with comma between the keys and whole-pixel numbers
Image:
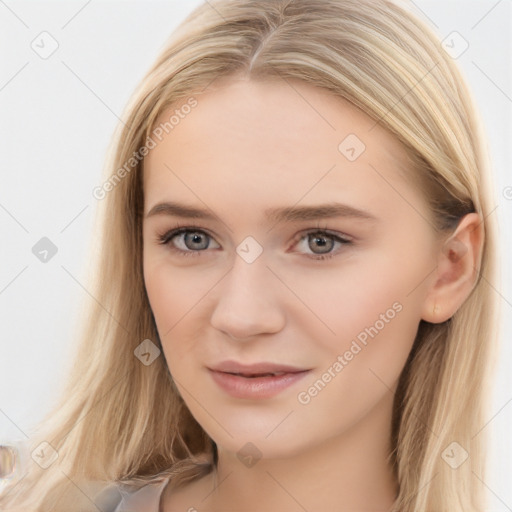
[
  {"x": 176, "y": 296},
  {"x": 172, "y": 291},
  {"x": 375, "y": 325},
  {"x": 370, "y": 290},
  {"x": 359, "y": 373},
  {"x": 372, "y": 306}
]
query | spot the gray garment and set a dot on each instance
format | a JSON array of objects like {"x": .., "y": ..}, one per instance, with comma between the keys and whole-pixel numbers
[{"x": 120, "y": 498}]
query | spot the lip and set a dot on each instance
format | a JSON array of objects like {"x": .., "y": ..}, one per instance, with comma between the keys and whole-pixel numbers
[
  {"x": 237, "y": 379},
  {"x": 254, "y": 368}
]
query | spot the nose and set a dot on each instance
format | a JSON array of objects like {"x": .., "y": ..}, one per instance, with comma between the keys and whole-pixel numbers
[{"x": 247, "y": 302}]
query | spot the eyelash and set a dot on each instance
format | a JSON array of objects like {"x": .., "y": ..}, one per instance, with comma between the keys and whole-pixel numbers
[{"x": 166, "y": 237}]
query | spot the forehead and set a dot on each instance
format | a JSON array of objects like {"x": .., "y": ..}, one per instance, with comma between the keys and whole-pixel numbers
[{"x": 277, "y": 141}]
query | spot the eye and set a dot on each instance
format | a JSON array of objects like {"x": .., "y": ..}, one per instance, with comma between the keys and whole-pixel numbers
[
  {"x": 192, "y": 241},
  {"x": 325, "y": 241}
]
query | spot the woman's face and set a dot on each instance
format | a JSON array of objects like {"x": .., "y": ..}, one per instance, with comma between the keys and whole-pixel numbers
[{"x": 280, "y": 175}]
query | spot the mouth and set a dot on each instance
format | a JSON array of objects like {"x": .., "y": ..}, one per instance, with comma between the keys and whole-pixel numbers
[
  {"x": 255, "y": 369},
  {"x": 257, "y": 381}
]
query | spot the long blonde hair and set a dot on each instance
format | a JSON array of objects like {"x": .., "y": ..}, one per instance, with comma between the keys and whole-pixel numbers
[{"x": 122, "y": 421}]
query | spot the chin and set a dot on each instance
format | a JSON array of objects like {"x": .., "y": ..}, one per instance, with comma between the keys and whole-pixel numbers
[{"x": 258, "y": 444}]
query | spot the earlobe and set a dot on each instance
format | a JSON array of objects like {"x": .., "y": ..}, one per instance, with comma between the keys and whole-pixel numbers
[{"x": 456, "y": 272}]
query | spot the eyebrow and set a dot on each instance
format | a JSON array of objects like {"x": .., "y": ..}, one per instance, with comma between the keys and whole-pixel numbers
[{"x": 286, "y": 214}]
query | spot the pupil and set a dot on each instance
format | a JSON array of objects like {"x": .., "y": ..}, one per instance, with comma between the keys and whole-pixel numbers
[
  {"x": 321, "y": 242},
  {"x": 196, "y": 238}
]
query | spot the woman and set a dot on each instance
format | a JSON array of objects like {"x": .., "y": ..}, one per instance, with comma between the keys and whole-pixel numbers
[{"x": 292, "y": 302}]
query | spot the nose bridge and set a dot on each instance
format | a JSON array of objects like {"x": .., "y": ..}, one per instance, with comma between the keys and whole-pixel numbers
[
  {"x": 247, "y": 302},
  {"x": 247, "y": 276}
]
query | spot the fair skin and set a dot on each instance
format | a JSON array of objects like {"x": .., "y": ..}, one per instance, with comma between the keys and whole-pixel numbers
[{"x": 249, "y": 146}]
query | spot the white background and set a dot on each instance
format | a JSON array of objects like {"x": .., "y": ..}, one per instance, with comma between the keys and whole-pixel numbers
[{"x": 57, "y": 116}]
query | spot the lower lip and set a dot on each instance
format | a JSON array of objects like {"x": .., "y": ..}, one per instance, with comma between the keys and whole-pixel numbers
[{"x": 255, "y": 387}]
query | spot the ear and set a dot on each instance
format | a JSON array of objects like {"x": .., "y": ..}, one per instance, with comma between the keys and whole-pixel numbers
[{"x": 457, "y": 269}]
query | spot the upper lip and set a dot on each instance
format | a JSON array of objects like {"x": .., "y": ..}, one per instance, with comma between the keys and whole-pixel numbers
[{"x": 255, "y": 368}]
